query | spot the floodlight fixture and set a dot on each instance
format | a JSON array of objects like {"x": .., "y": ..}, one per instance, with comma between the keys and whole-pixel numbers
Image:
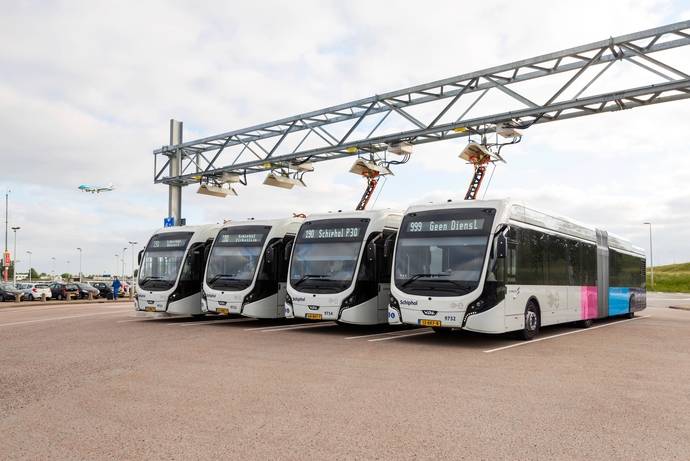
[
  {"x": 215, "y": 191},
  {"x": 282, "y": 180},
  {"x": 230, "y": 178},
  {"x": 369, "y": 169},
  {"x": 477, "y": 153},
  {"x": 400, "y": 148},
  {"x": 506, "y": 130},
  {"x": 305, "y": 167}
]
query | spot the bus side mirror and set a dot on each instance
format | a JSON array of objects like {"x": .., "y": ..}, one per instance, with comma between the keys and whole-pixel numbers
[
  {"x": 141, "y": 253},
  {"x": 388, "y": 248},
  {"x": 501, "y": 245},
  {"x": 207, "y": 251},
  {"x": 288, "y": 250},
  {"x": 371, "y": 251},
  {"x": 270, "y": 254}
]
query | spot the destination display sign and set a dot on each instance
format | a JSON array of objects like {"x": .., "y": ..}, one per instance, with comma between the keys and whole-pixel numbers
[
  {"x": 448, "y": 225},
  {"x": 325, "y": 233},
  {"x": 169, "y": 243},
  {"x": 242, "y": 238}
]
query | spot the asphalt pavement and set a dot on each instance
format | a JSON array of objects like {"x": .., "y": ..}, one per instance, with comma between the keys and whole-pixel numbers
[{"x": 96, "y": 381}]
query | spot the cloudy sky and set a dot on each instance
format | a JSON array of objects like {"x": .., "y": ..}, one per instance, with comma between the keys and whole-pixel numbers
[{"x": 87, "y": 89}]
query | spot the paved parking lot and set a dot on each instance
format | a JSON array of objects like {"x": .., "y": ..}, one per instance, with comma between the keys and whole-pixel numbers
[{"x": 96, "y": 381}]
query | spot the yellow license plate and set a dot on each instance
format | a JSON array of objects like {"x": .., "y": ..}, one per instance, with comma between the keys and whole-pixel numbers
[
  {"x": 430, "y": 323},
  {"x": 223, "y": 310},
  {"x": 150, "y": 308},
  {"x": 314, "y": 316}
]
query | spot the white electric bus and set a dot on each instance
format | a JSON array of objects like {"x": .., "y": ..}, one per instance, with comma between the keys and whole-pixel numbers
[
  {"x": 496, "y": 266},
  {"x": 246, "y": 272},
  {"x": 340, "y": 267},
  {"x": 171, "y": 268}
]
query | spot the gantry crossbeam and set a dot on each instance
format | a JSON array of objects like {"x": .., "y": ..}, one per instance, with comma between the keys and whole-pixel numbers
[{"x": 443, "y": 109}]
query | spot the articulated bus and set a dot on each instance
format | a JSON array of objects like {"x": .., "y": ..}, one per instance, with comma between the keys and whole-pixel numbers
[
  {"x": 340, "y": 267},
  {"x": 170, "y": 270},
  {"x": 498, "y": 266},
  {"x": 246, "y": 272}
]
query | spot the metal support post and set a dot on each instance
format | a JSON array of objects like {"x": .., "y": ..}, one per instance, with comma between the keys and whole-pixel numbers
[{"x": 175, "y": 190}]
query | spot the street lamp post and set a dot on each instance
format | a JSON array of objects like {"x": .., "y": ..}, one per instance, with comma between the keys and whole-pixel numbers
[
  {"x": 131, "y": 244},
  {"x": 651, "y": 252},
  {"x": 14, "y": 272},
  {"x": 5, "y": 273},
  {"x": 80, "y": 252},
  {"x": 29, "y": 253},
  {"x": 123, "y": 262},
  {"x": 117, "y": 263}
]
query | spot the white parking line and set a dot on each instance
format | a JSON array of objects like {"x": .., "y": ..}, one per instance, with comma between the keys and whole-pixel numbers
[
  {"x": 23, "y": 322},
  {"x": 376, "y": 334},
  {"x": 215, "y": 322},
  {"x": 137, "y": 319},
  {"x": 47, "y": 307},
  {"x": 315, "y": 325},
  {"x": 526, "y": 343},
  {"x": 279, "y": 326},
  {"x": 414, "y": 333}
]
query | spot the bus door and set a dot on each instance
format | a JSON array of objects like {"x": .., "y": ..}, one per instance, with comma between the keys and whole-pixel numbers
[{"x": 384, "y": 250}]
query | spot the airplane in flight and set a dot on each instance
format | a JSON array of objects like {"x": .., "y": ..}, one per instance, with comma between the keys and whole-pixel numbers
[{"x": 96, "y": 189}]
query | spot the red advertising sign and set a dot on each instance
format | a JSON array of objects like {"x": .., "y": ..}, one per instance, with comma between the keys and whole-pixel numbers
[{"x": 7, "y": 259}]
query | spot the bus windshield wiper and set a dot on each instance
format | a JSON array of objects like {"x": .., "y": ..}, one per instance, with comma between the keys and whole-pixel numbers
[
  {"x": 417, "y": 276},
  {"x": 229, "y": 277},
  {"x": 149, "y": 279},
  {"x": 310, "y": 276}
]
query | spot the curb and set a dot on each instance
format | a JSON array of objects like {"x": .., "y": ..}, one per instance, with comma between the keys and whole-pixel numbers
[
  {"x": 61, "y": 303},
  {"x": 680, "y": 308}
]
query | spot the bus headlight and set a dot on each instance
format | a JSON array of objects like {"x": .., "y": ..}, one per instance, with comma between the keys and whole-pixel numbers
[
  {"x": 393, "y": 302},
  {"x": 349, "y": 301},
  {"x": 247, "y": 299}
]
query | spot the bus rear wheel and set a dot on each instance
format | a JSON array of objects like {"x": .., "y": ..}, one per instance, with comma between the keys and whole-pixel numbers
[
  {"x": 532, "y": 322},
  {"x": 585, "y": 323}
]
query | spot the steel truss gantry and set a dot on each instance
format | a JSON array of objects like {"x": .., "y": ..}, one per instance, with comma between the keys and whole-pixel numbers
[{"x": 369, "y": 125}]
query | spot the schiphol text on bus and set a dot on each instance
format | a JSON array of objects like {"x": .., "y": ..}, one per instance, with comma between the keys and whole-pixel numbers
[{"x": 491, "y": 266}]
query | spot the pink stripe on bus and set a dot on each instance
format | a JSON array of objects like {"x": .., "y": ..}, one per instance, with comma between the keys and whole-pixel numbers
[{"x": 588, "y": 302}]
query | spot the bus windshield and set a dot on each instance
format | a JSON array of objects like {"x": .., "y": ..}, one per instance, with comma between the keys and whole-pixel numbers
[
  {"x": 325, "y": 255},
  {"x": 442, "y": 253},
  {"x": 162, "y": 260},
  {"x": 235, "y": 257}
]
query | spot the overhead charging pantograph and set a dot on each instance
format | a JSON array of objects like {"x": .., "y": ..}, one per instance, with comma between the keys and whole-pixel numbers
[{"x": 381, "y": 130}]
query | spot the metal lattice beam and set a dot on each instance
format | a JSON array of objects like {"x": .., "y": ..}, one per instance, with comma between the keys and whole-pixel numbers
[{"x": 360, "y": 126}]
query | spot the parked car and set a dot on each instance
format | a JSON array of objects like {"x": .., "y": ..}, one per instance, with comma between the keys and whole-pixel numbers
[
  {"x": 34, "y": 291},
  {"x": 61, "y": 290},
  {"x": 9, "y": 292},
  {"x": 85, "y": 289},
  {"x": 106, "y": 290}
]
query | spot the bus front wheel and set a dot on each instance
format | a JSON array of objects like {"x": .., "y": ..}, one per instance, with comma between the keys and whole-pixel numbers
[{"x": 532, "y": 321}]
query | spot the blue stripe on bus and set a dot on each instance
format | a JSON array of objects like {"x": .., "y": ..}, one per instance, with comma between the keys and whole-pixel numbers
[{"x": 619, "y": 300}]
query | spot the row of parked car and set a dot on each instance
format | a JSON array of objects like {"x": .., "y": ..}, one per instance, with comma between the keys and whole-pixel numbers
[{"x": 55, "y": 290}]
